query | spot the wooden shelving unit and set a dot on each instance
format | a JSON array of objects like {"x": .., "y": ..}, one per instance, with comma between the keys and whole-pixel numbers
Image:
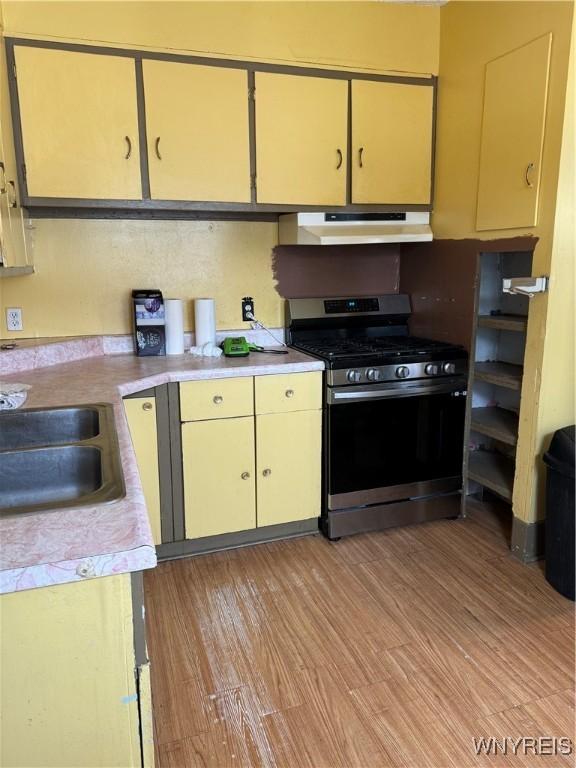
[
  {"x": 493, "y": 471},
  {"x": 496, "y": 375},
  {"x": 497, "y": 423},
  {"x": 504, "y": 322},
  {"x": 501, "y": 374}
]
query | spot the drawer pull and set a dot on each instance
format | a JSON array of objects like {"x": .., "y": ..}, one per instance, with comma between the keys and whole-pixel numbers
[
  {"x": 217, "y": 399},
  {"x": 267, "y": 472},
  {"x": 289, "y": 393},
  {"x": 245, "y": 475},
  {"x": 147, "y": 406}
]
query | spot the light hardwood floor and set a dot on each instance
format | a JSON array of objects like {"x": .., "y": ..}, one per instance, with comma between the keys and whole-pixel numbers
[{"x": 385, "y": 649}]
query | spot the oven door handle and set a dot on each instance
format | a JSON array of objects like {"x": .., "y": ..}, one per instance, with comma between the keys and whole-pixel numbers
[{"x": 338, "y": 395}]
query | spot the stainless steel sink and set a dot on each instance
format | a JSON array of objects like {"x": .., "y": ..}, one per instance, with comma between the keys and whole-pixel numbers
[
  {"x": 57, "y": 458},
  {"x": 57, "y": 426}
]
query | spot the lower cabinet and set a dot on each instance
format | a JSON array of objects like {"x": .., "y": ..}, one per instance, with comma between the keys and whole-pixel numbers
[
  {"x": 288, "y": 466},
  {"x": 141, "y": 415},
  {"x": 251, "y": 471},
  {"x": 219, "y": 481},
  {"x": 68, "y": 690}
]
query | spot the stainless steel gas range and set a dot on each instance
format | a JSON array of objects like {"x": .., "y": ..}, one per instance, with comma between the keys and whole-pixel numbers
[{"x": 394, "y": 409}]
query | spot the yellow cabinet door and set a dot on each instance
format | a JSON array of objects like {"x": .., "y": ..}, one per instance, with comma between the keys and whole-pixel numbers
[
  {"x": 515, "y": 94},
  {"x": 197, "y": 132},
  {"x": 79, "y": 124},
  {"x": 141, "y": 415},
  {"x": 219, "y": 483},
  {"x": 217, "y": 398},
  {"x": 391, "y": 142},
  {"x": 280, "y": 393},
  {"x": 301, "y": 139},
  {"x": 13, "y": 240},
  {"x": 288, "y": 466},
  {"x": 68, "y": 694}
]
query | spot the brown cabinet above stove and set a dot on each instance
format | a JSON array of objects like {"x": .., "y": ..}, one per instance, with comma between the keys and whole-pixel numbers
[{"x": 167, "y": 135}]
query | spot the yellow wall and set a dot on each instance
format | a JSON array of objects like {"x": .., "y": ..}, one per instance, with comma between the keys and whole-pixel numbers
[
  {"x": 473, "y": 33},
  {"x": 85, "y": 269},
  {"x": 360, "y": 35},
  {"x": 557, "y": 389}
]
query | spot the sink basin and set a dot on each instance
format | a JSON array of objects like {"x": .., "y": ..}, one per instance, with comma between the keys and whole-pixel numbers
[
  {"x": 58, "y": 457},
  {"x": 48, "y": 475},
  {"x": 57, "y": 426}
]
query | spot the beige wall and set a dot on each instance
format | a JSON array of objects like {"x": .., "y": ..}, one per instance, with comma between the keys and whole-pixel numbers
[
  {"x": 86, "y": 269},
  {"x": 473, "y": 33}
]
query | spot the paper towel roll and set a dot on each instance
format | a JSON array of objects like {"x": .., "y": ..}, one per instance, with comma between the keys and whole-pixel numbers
[
  {"x": 205, "y": 321},
  {"x": 174, "y": 313}
]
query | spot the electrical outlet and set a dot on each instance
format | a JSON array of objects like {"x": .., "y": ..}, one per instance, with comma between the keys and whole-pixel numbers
[
  {"x": 247, "y": 308},
  {"x": 14, "y": 319}
]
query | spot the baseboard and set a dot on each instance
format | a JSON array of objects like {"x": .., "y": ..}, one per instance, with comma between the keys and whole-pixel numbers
[
  {"x": 527, "y": 543},
  {"x": 177, "y": 549}
]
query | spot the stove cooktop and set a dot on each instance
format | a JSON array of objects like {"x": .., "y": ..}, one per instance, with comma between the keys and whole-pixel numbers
[{"x": 380, "y": 350}]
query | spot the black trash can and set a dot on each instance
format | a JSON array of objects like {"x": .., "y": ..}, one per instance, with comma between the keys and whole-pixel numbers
[{"x": 560, "y": 512}]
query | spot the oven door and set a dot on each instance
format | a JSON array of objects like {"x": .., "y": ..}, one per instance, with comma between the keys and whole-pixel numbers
[{"x": 388, "y": 442}]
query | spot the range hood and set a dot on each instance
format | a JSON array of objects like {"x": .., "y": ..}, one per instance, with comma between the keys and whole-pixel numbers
[{"x": 353, "y": 228}]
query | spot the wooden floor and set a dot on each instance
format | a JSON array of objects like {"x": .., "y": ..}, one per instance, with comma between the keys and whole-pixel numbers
[{"x": 387, "y": 649}]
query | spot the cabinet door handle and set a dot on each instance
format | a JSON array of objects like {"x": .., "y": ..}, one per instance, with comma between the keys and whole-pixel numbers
[
  {"x": 360, "y": 153},
  {"x": 157, "y": 148},
  {"x": 340, "y": 158},
  {"x": 245, "y": 475},
  {"x": 266, "y": 472},
  {"x": 217, "y": 399},
  {"x": 529, "y": 168},
  {"x": 147, "y": 406},
  {"x": 12, "y": 202},
  {"x": 3, "y": 182},
  {"x": 289, "y": 393},
  {"x": 128, "y": 147}
]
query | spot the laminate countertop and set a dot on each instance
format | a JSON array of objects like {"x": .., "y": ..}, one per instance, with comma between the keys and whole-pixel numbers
[{"x": 73, "y": 543}]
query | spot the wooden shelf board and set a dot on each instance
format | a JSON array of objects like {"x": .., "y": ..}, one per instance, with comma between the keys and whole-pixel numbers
[
  {"x": 504, "y": 322},
  {"x": 502, "y": 374},
  {"x": 493, "y": 471},
  {"x": 497, "y": 423}
]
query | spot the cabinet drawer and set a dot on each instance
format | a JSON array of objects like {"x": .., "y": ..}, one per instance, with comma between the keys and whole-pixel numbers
[
  {"x": 216, "y": 399},
  {"x": 288, "y": 392}
]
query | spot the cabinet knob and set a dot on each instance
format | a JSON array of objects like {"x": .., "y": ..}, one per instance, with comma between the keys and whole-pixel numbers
[
  {"x": 289, "y": 393},
  {"x": 245, "y": 475},
  {"x": 217, "y": 399},
  {"x": 267, "y": 472},
  {"x": 147, "y": 406}
]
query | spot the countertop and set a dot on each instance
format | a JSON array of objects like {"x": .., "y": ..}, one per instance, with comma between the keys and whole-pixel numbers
[{"x": 58, "y": 546}]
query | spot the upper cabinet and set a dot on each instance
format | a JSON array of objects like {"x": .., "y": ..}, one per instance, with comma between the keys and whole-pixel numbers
[
  {"x": 515, "y": 94},
  {"x": 197, "y": 132},
  {"x": 392, "y": 128},
  {"x": 301, "y": 139},
  {"x": 100, "y": 128},
  {"x": 79, "y": 121},
  {"x": 14, "y": 246}
]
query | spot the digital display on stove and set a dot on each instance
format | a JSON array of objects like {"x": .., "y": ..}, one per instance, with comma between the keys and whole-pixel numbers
[{"x": 342, "y": 306}]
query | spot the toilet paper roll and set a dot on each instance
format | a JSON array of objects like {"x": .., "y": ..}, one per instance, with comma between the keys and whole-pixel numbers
[
  {"x": 174, "y": 314},
  {"x": 205, "y": 321}
]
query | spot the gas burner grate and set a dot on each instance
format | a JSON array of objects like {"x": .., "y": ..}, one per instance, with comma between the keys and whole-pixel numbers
[{"x": 389, "y": 346}]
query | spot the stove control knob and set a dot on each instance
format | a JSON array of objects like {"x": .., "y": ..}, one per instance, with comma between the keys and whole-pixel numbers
[
  {"x": 449, "y": 368},
  {"x": 402, "y": 372},
  {"x": 373, "y": 374},
  {"x": 432, "y": 369},
  {"x": 353, "y": 376}
]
